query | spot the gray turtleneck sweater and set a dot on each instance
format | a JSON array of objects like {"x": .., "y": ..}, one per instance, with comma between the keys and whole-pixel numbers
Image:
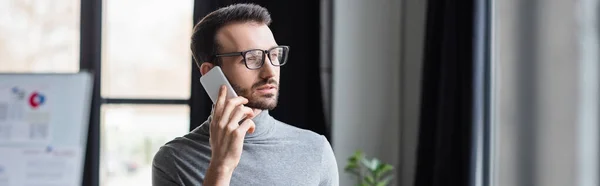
[{"x": 275, "y": 154}]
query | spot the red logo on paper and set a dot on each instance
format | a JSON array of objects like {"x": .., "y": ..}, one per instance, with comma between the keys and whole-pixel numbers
[{"x": 36, "y": 99}]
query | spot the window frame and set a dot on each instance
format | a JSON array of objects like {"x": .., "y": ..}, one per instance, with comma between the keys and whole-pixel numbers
[{"x": 90, "y": 61}]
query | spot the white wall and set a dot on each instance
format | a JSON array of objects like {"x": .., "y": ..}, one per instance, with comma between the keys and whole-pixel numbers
[{"x": 375, "y": 86}]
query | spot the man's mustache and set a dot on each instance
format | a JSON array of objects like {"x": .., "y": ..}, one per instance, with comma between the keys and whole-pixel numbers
[{"x": 264, "y": 82}]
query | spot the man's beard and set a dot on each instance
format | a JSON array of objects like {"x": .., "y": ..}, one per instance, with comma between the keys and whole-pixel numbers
[{"x": 264, "y": 101}]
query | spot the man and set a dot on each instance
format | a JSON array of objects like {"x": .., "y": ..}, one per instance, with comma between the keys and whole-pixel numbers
[{"x": 240, "y": 143}]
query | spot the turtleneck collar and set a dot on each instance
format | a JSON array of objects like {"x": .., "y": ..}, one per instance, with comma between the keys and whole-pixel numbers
[{"x": 263, "y": 121}]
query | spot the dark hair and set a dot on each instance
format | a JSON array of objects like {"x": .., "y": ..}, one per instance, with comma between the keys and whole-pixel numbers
[{"x": 204, "y": 43}]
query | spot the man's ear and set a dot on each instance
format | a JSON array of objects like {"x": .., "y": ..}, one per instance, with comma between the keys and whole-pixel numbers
[{"x": 205, "y": 67}]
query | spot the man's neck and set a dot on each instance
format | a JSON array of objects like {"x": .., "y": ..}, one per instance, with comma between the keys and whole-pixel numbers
[{"x": 257, "y": 111}]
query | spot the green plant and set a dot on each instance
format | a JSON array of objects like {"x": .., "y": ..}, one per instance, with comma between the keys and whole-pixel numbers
[{"x": 368, "y": 172}]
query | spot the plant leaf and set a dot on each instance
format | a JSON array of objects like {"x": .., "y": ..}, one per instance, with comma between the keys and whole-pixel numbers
[
  {"x": 369, "y": 164},
  {"x": 369, "y": 179},
  {"x": 352, "y": 159},
  {"x": 358, "y": 154},
  {"x": 356, "y": 158},
  {"x": 351, "y": 166},
  {"x": 364, "y": 183},
  {"x": 385, "y": 181},
  {"x": 382, "y": 169},
  {"x": 376, "y": 162}
]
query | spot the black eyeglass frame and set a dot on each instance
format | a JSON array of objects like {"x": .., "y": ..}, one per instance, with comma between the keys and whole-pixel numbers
[{"x": 264, "y": 52}]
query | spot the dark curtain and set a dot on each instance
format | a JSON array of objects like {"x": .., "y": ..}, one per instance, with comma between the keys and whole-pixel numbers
[
  {"x": 297, "y": 24},
  {"x": 445, "y": 133}
]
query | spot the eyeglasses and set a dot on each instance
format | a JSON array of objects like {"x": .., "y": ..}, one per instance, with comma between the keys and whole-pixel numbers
[{"x": 255, "y": 58}]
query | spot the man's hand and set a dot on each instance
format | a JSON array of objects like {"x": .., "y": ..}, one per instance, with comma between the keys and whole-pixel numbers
[{"x": 227, "y": 137}]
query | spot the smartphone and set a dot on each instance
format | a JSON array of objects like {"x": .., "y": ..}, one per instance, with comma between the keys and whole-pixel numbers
[{"x": 212, "y": 81}]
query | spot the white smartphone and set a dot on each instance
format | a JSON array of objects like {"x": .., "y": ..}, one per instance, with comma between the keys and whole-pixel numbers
[{"x": 212, "y": 81}]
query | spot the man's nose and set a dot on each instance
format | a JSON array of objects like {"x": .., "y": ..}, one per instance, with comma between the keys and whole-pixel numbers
[{"x": 267, "y": 71}]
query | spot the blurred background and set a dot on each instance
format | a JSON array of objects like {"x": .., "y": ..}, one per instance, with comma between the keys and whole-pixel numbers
[{"x": 476, "y": 92}]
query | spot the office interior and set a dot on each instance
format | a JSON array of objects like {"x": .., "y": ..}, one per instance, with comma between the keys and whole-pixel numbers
[{"x": 474, "y": 92}]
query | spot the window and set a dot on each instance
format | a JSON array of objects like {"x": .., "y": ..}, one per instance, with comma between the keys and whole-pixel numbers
[
  {"x": 146, "y": 67},
  {"x": 146, "y": 51},
  {"x": 145, "y": 59},
  {"x": 131, "y": 135},
  {"x": 39, "y": 36}
]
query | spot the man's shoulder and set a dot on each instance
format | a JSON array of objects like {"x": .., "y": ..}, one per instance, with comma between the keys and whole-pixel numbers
[
  {"x": 178, "y": 158},
  {"x": 190, "y": 147},
  {"x": 305, "y": 135},
  {"x": 192, "y": 141}
]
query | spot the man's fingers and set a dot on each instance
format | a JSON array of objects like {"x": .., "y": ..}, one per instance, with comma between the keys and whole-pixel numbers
[
  {"x": 247, "y": 126},
  {"x": 228, "y": 109},
  {"x": 212, "y": 117},
  {"x": 241, "y": 112},
  {"x": 220, "y": 104}
]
